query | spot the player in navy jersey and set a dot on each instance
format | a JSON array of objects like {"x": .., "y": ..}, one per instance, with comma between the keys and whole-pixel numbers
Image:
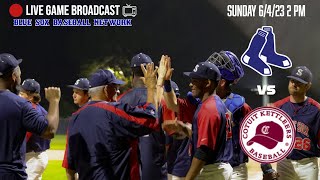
[
  {"x": 18, "y": 116},
  {"x": 100, "y": 132},
  {"x": 80, "y": 97},
  {"x": 36, "y": 156},
  {"x": 177, "y": 145},
  {"x": 151, "y": 146},
  {"x": 302, "y": 162},
  {"x": 209, "y": 125},
  {"x": 231, "y": 72}
]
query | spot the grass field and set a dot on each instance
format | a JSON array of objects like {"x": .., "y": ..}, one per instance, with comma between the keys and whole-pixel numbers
[
  {"x": 54, "y": 171},
  {"x": 58, "y": 142}
]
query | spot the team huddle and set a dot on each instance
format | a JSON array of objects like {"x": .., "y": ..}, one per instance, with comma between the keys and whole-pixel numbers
[{"x": 150, "y": 132}]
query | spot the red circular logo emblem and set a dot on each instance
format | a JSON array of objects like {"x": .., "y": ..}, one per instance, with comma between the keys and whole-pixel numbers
[
  {"x": 267, "y": 134},
  {"x": 15, "y": 10}
]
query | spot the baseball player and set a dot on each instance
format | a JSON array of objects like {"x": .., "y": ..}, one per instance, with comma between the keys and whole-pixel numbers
[
  {"x": 209, "y": 126},
  {"x": 231, "y": 72},
  {"x": 151, "y": 146},
  {"x": 104, "y": 130},
  {"x": 18, "y": 116},
  {"x": 177, "y": 146},
  {"x": 302, "y": 162},
  {"x": 80, "y": 97},
  {"x": 36, "y": 156},
  {"x": 80, "y": 91}
]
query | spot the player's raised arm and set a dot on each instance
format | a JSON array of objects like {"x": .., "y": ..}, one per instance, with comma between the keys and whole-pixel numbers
[
  {"x": 169, "y": 95},
  {"x": 53, "y": 95},
  {"x": 150, "y": 76},
  {"x": 161, "y": 73}
]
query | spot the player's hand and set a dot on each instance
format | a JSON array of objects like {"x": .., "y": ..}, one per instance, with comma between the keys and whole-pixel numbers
[
  {"x": 178, "y": 135},
  {"x": 271, "y": 176},
  {"x": 172, "y": 125},
  {"x": 52, "y": 94},
  {"x": 150, "y": 75},
  {"x": 162, "y": 70},
  {"x": 169, "y": 69}
]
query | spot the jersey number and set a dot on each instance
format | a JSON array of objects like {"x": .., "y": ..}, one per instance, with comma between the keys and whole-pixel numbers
[
  {"x": 228, "y": 126},
  {"x": 302, "y": 144}
]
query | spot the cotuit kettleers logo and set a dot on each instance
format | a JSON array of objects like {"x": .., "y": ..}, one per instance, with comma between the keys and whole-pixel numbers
[{"x": 267, "y": 135}]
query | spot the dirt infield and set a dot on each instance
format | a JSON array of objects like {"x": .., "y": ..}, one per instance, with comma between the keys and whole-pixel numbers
[{"x": 55, "y": 154}]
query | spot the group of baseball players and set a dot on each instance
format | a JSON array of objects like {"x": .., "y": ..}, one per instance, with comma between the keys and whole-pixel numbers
[{"x": 150, "y": 132}]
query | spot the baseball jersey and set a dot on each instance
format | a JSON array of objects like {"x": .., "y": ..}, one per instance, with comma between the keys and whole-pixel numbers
[
  {"x": 99, "y": 137},
  {"x": 239, "y": 156},
  {"x": 34, "y": 142},
  {"x": 179, "y": 150},
  {"x": 209, "y": 128},
  {"x": 306, "y": 118},
  {"x": 151, "y": 146},
  {"x": 65, "y": 157},
  {"x": 17, "y": 116}
]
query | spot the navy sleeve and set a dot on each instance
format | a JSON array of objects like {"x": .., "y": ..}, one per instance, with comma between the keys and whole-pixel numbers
[
  {"x": 135, "y": 121},
  {"x": 202, "y": 153},
  {"x": 32, "y": 120},
  {"x": 42, "y": 110}
]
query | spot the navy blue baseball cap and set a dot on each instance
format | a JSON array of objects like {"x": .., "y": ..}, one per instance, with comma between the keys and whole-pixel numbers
[
  {"x": 8, "y": 62},
  {"x": 301, "y": 74},
  {"x": 139, "y": 59},
  {"x": 31, "y": 85},
  {"x": 82, "y": 84},
  {"x": 205, "y": 70},
  {"x": 175, "y": 88},
  {"x": 103, "y": 77}
]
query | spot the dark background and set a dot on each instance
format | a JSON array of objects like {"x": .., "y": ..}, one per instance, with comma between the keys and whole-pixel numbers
[{"x": 189, "y": 31}]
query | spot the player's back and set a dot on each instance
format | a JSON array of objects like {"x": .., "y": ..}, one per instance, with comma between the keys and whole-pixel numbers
[
  {"x": 103, "y": 131},
  {"x": 152, "y": 146},
  {"x": 134, "y": 97},
  {"x": 88, "y": 144},
  {"x": 12, "y": 133}
]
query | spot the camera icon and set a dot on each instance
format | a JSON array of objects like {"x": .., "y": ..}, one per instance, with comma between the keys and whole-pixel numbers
[{"x": 129, "y": 10}]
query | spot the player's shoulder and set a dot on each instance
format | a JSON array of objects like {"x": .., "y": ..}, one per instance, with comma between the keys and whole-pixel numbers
[
  {"x": 124, "y": 94},
  {"x": 314, "y": 103},
  {"x": 41, "y": 109},
  {"x": 213, "y": 104},
  {"x": 281, "y": 102},
  {"x": 246, "y": 108},
  {"x": 12, "y": 99},
  {"x": 134, "y": 95},
  {"x": 90, "y": 106}
]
